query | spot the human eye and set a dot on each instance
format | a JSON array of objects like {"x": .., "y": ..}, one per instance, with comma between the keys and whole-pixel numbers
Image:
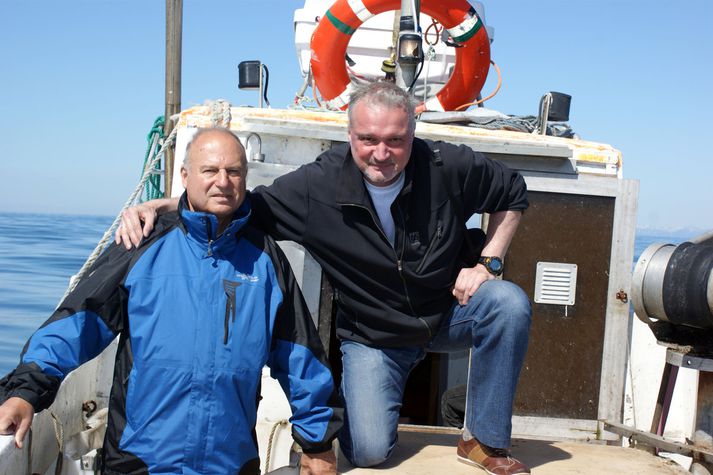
[
  {"x": 235, "y": 172},
  {"x": 368, "y": 140},
  {"x": 396, "y": 141},
  {"x": 209, "y": 172}
]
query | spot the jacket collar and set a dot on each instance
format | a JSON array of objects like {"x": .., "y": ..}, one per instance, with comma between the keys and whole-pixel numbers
[{"x": 203, "y": 227}]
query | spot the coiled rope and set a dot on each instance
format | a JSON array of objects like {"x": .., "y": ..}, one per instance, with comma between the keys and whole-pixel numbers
[
  {"x": 219, "y": 112},
  {"x": 154, "y": 138}
]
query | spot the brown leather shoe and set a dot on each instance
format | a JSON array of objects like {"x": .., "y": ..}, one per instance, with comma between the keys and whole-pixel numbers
[{"x": 492, "y": 460}]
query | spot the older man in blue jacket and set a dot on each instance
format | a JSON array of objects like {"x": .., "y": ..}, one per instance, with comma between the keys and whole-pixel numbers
[{"x": 199, "y": 307}]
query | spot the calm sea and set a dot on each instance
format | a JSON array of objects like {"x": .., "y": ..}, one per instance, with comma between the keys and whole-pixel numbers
[{"x": 38, "y": 255}]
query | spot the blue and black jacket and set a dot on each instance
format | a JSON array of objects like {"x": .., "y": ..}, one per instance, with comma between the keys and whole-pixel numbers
[{"x": 198, "y": 316}]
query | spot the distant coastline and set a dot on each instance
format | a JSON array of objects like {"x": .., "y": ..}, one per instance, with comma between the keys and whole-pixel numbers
[{"x": 674, "y": 233}]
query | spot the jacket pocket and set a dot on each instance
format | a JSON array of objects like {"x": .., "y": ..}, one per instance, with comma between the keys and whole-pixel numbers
[{"x": 434, "y": 241}]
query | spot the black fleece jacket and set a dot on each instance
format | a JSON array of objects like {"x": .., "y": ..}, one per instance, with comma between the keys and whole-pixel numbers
[{"x": 388, "y": 296}]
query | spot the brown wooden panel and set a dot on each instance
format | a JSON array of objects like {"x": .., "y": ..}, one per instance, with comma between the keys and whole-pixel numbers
[{"x": 562, "y": 369}]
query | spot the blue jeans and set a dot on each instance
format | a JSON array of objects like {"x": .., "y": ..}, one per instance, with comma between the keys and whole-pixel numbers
[{"x": 494, "y": 325}]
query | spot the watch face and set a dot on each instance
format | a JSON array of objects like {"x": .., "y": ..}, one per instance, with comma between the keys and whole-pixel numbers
[{"x": 496, "y": 265}]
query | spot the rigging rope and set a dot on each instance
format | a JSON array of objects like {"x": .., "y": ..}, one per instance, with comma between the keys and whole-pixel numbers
[
  {"x": 59, "y": 435},
  {"x": 277, "y": 424},
  {"x": 154, "y": 138},
  {"x": 219, "y": 114},
  {"x": 148, "y": 171}
]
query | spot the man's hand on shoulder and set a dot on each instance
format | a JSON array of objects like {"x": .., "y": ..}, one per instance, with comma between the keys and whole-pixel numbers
[
  {"x": 468, "y": 281},
  {"x": 138, "y": 221},
  {"x": 16, "y": 417},
  {"x": 323, "y": 463}
]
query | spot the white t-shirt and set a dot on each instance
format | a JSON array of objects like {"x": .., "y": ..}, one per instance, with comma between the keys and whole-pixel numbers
[{"x": 383, "y": 197}]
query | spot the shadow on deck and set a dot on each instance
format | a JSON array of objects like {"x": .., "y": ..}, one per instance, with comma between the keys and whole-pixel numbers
[{"x": 435, "y": 454}]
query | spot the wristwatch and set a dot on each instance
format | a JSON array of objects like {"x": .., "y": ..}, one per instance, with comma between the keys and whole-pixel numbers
[{"x": 493, "y": 264}]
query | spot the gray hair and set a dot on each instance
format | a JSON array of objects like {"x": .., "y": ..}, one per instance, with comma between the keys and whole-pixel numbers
[
  {"x": 383, "y": 93},
  {"x": 205, "y": 130}
]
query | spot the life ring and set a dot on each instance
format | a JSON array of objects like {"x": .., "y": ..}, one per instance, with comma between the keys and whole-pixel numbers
[{"x": 331, "y": 37}]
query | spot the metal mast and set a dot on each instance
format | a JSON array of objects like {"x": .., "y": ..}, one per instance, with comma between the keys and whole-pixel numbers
[{"x": 174, "y": 27}]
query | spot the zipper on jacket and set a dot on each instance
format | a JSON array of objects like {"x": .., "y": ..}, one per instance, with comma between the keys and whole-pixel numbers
[
  {"x": 209, "y": 234},
  {"x": 399, "y": 263},
  {"x": 378, "y": 225},
  {"x": 230, "y": 305},
  {"x": 436, "y": 238},
  {"x": 399, "y": 259}
]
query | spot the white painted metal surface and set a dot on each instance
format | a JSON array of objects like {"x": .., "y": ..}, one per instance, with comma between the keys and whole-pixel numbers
[{"x": 90, "y": 382}]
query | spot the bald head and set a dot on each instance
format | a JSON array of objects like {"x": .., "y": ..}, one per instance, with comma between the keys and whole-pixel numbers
[
  {"x": 214, "y": 173},
  {"x": 211, "y": 130}
]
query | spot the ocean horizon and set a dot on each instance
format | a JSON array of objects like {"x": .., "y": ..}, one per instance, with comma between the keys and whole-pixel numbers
[{"x": 39, "y": 253}]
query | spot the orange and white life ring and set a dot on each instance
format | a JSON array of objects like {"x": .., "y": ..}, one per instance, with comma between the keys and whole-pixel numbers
[{"x": 334, "y": 30}]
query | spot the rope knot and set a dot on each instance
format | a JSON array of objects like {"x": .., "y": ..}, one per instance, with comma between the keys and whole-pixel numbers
[{"x": 219, "y": 112}]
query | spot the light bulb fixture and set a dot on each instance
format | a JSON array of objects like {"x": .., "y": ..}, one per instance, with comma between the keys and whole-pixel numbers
[{"x": 410, "y": 51}]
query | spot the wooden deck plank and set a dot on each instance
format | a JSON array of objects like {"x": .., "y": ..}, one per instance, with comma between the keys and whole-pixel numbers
[{"x": 434, "y": 454}]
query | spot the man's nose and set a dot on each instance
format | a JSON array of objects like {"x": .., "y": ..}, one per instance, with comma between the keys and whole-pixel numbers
[
  {"x": 381, "y": 152},
  {"x": 221, "y": 178}
]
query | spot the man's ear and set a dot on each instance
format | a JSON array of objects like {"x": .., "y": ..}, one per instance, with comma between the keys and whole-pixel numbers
[{"x": 184, "y": 176}]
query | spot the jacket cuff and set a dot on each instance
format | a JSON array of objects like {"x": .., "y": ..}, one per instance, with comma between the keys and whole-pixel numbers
[
  {"x": 316, "y": 449},
  {"x": 310, "y": 447}
]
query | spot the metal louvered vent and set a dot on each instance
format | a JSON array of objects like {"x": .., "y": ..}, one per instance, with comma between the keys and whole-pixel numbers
[{"x": 556, "y": 283}]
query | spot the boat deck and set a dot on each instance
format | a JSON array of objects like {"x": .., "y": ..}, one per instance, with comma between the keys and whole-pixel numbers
[{"x": 434, "y": 454}]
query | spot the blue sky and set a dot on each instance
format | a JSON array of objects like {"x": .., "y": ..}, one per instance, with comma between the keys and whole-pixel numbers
[{"x": 82, "y": 81}]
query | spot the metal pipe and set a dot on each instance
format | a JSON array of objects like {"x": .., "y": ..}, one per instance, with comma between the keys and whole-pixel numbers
[
  {"x": 254, "y": 156},
  {"x": 675, "y": 283},
  {"x": 545, "y": 103},
  {"x": 174, "y": 28},
  {"x": 406, "y": 70},
  {"x": 261, "y": 85}
]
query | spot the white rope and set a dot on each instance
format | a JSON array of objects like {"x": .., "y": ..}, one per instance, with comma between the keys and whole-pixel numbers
[
  {"x": 283, "y": 422},
  {"x": 59, "y": 436},
  {"x": 58, "y": 431},
  {"x": 219, "y": 112},
  {"x": 148, "y": 170},
  {"x": 220, "y": 115}
]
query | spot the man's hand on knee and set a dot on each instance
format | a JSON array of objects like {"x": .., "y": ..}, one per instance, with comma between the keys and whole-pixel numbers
[
  {"x": 468, "y": 281},
  {"x": 323, "y": 463}
]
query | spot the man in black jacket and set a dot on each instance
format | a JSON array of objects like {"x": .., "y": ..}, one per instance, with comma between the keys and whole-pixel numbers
[{"x": 385, "y": 215}]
